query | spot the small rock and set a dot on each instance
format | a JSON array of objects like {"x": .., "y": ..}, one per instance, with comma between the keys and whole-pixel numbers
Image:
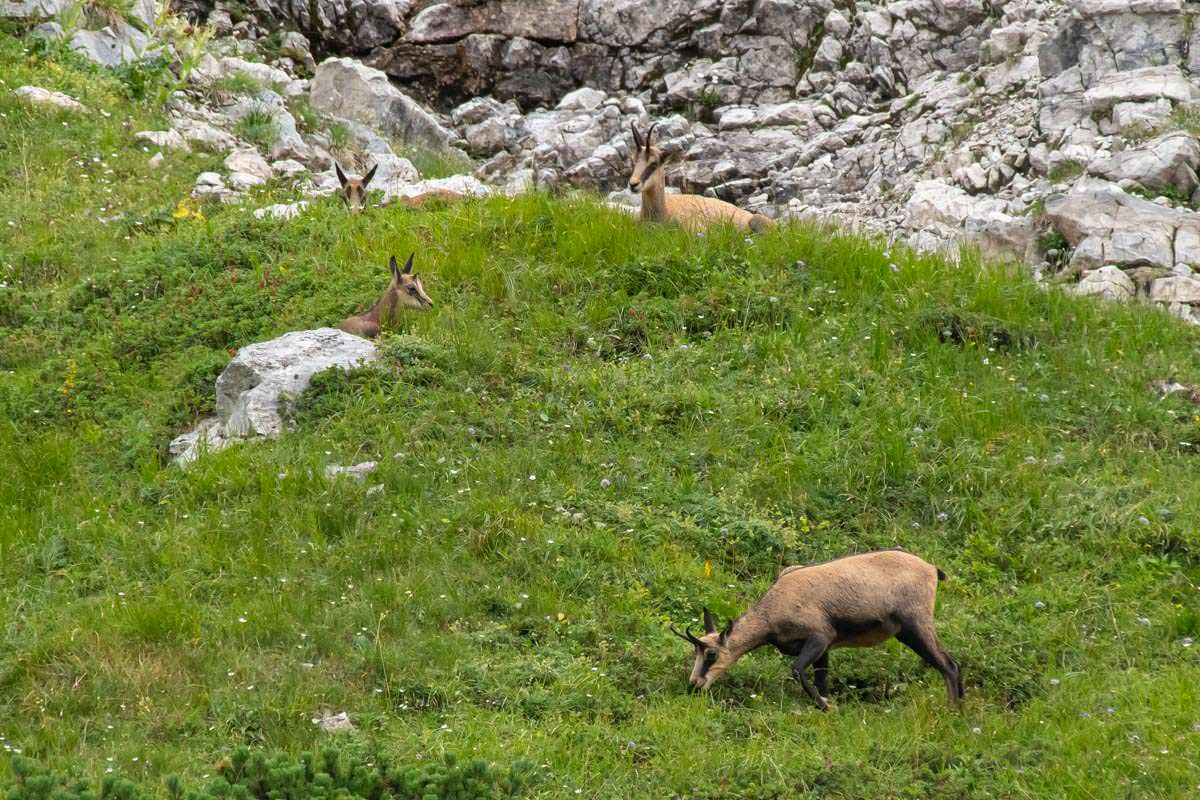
[
  {"x": 249, "y": 161},
  {"x": 243, "y": 181},
  {"x": 1110, "y": 283},
  {"x": 358, "y": 471},
  {"x": 44, "y": 97},
  {"x": 169, "y": 139},
  {"x": 155, "y": 160},
  {"x": 281, "y": 210},
  {"x": 585, "y": 99},
  {"x": 334, "y": 723},
  {"x": 288, "y": 168},
  {"x": 210, "y": 179}
]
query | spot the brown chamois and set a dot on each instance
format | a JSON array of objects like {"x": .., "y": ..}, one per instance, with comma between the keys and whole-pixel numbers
[
  {"x": 354, "y": 190},
  {"x": 404, "y": 291},
  {"x": 856, "y": 601},
  {"x": 689, "y": 210},
  {"x": 417, "y": 200}
]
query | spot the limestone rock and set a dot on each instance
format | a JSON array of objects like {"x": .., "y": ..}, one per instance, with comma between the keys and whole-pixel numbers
[
  {"x": 208, "y": 436},
  {"x": 44, "y": 97},
  {"x": 1110, "y": 283},
  {"x": 249, "y": 161},
  {"x": 262, "y": 377},
  {"x": 348, "y": 88},
  {"x": 1111, "y": 227},
  {"x": 358, "y": 472},
  {"x": 1140, "y": 85},
  {"x": 1176, "y": 289},
  {"x": 32, "y": 9},
  {"x": 243, "y": 181},
  {"x": 281, "y": 210},
  {"x": 169, "y": 139},
  {"x": 1168, "y": 162},
  {"x": 112, "y": 45},
  {"x": 334, "y": 723}
]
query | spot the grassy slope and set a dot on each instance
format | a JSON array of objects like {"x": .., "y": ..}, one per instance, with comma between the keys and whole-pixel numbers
[{"x": 751, "y": 404}]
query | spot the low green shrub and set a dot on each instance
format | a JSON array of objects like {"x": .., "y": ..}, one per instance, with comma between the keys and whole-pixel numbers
[{"x": 255, "y": 775}]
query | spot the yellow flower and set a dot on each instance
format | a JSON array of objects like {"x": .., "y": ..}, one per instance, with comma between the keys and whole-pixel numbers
[{"x": 707, "y": 569}]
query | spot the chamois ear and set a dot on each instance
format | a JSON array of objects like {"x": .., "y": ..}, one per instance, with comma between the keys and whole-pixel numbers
[
  {"x": 394, "y": 267},
  {"x": 408, "y": 264},
  {"x": 710, "y": 626},
  {"x": 725, "y": 633},
  {"x": 370, "y": 174},
  {"x": 341, "y": 175},
  {"x": 637, "y": 137}
]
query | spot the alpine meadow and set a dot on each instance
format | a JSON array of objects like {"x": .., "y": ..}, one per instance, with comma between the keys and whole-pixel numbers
[{"x": 600, "y": 428}]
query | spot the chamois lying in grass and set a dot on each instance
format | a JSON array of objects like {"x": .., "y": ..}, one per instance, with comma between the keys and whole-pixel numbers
[
  {"x": 417, "y": 200},
  {"x": 689, "y": 210},
  {"x": 404, "y": 291},
  {"x": 354, "y": 190},
  {"x": 856, "y": 601}
]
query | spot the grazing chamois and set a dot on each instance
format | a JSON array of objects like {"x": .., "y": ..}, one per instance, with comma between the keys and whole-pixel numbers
[
  {"x": 404, "y": 291},
  {"x": 856, "y": 601},
  {"x": 354, "y": 190},
  {"x": 689, "y": 210}
]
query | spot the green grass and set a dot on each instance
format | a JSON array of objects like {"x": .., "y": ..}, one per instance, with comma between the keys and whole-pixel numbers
[
  {"x": 1187, "y": 119},
  {"x": 600, "y": 428},
  {"x": 434, "y": 163},
  {"x": 258, "y": 127},
  {"x": 237, "y": 83},
  {"x": 1066, "y": 170}
]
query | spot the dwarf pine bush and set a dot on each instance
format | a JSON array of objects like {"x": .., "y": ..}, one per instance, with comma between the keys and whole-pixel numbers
[{"x": 255, "y": 775}]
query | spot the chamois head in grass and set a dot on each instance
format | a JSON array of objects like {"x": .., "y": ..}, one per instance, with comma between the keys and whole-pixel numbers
[
  {"x": 647, "y": 161},
  {"x": 354, "y": 190},
  {"x": 404, "y": 291},
  {"x": 712, "y": 655}
]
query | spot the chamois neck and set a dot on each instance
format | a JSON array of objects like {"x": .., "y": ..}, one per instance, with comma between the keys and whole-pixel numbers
[
  {"x": 654, "y": 199},
  {"x": 381, "y": 306},
  {"x": 749, "y": 632}
]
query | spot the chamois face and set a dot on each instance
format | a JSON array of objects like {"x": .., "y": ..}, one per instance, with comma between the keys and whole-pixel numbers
[
  {"x": 406, "y": 289},
  {"x": 647, "y": 161},
  {"x": 354, "y": 190},
  {"x": 713, "y": 657}
]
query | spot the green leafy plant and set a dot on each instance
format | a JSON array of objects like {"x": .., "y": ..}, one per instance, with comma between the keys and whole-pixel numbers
[
  {"x": 258, "y": 126},
  {"x": 1066, "y": 170},
  {"x": 238, "y": 83},
  {"x": 143, "y": 77},
  {"x": 434, "y": 162}
]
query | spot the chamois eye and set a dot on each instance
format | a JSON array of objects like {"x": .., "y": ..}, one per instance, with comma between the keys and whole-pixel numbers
[{"x": 412, "y": 290}]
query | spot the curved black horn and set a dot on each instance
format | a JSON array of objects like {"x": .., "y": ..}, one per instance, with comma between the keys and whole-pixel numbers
[
  {"x": 687, "y": 636},
  {"x": 649, "y": 133},
  {"x": 637, "y": 137}
]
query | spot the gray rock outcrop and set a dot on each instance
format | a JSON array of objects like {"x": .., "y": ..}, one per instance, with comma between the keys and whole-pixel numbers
[
  {"x": 254, "y": 388},
  {"x": 347, "y": 88}
]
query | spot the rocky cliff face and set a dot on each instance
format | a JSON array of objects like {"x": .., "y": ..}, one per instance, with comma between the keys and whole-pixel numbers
[{"x": 1014, "y": 124}]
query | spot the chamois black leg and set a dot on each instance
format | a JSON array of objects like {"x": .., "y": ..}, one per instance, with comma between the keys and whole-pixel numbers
[
  {"x": 924, "y": 642},
  {"x": 812, "y": 650},
  {"x": 821, "y": 671}
]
